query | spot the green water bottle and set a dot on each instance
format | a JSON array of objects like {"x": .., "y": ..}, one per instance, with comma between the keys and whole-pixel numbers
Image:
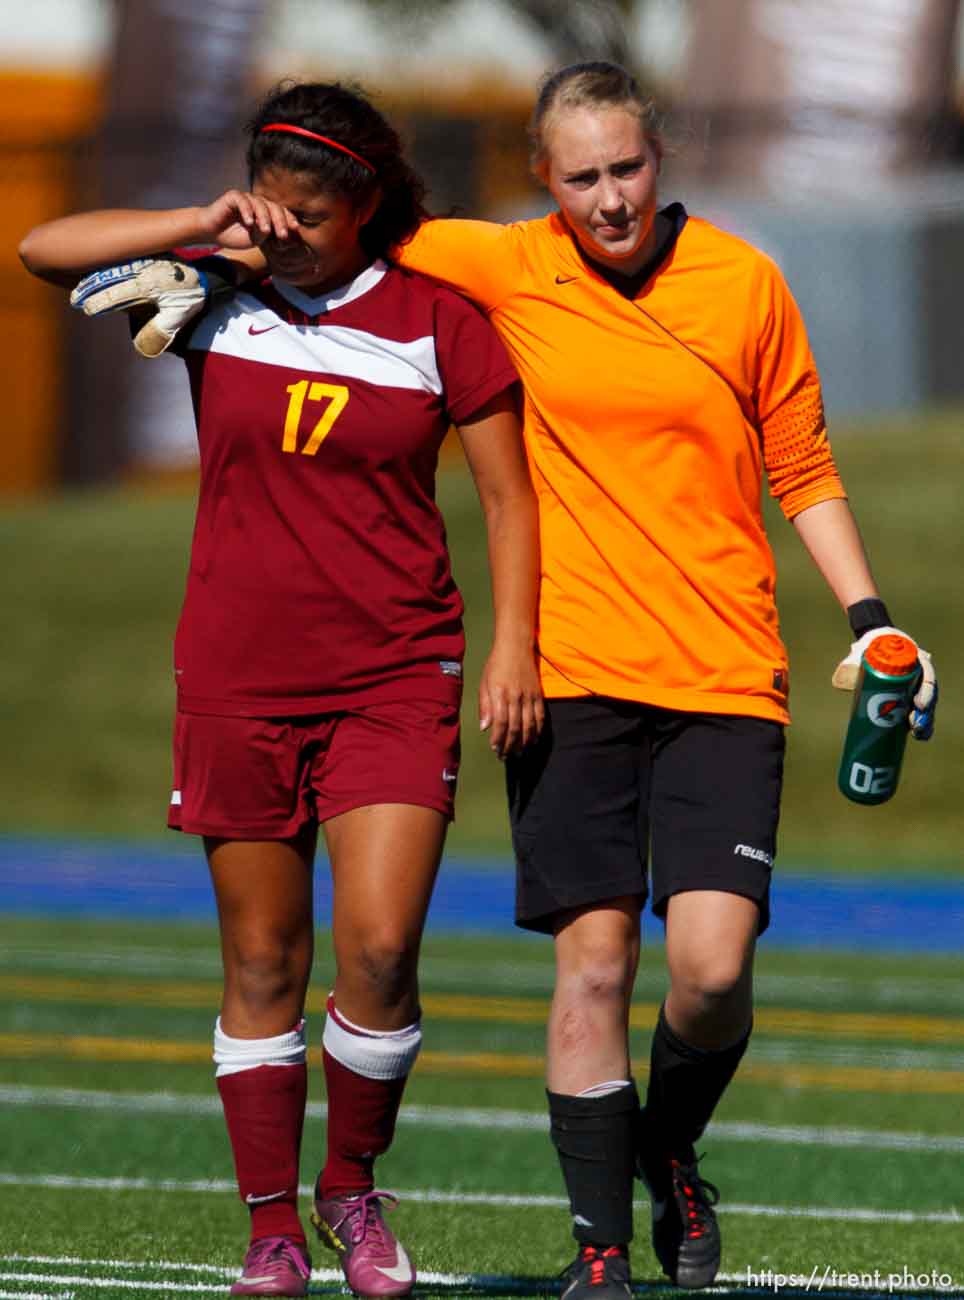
[{"x": 873, "y": 747}]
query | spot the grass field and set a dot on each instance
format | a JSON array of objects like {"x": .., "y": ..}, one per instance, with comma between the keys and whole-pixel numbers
[
  {"x": 92, "y": 598},
  {"x": 838, "y": 1149}
]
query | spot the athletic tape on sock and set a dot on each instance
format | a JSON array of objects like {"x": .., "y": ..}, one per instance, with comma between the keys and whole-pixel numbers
[
  {"x": 232, "y": 1055},
  {"x": 372, "y": 1053},
  {"x": 604, "y": 1089}
]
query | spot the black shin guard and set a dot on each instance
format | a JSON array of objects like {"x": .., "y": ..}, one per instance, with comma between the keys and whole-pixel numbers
[
  {"x": 595, "y": 1138},
  {"x": 685, "y": 1084}
]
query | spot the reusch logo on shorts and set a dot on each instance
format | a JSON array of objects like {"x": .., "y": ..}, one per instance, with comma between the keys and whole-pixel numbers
[
  {"x": 887, "y": 709},
  {"x": 758, "y": 855}
]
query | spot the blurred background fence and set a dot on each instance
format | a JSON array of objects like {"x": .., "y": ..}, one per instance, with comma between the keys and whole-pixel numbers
[{"x": 830, "y": 134}]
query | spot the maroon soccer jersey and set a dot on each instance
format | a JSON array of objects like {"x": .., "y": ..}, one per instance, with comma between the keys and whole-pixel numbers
[{"x": 319, "y": 572}]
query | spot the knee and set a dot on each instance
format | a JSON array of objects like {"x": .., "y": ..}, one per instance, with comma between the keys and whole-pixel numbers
[
  {"x": 713, "y": 981},
  {"x": 598, "y": 971},
  {"x": 383, "y": 966},
  {"x": 266, "y": 972}
]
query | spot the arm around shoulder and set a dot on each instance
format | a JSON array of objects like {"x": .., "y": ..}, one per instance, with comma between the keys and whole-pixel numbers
[{"x": 480, "y": 259}]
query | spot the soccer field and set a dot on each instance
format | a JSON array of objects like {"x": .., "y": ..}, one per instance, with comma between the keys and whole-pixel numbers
[
  {"x": 840, "y": 1146},
  {"x": 838, "y": 1149}
]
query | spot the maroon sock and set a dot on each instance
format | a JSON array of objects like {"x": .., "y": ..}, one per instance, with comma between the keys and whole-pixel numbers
[
  {"x": 265, "y": 1113},
  {"x": 361, "y": 1125}
]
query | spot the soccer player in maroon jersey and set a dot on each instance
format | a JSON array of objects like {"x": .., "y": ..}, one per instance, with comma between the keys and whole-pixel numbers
[{"x": 319, "y": 651}]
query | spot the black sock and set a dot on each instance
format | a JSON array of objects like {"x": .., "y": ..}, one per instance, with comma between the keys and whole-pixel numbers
[
  {"x": 685, "y": 1084},
  {"x": 595, "y": 1138}
]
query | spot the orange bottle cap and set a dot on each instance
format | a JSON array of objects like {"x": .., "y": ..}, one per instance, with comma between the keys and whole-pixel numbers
[{"x": 893, "y": 655}]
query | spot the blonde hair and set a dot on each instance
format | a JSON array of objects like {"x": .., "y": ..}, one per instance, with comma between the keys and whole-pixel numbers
[{"x": 585, "y": 85}]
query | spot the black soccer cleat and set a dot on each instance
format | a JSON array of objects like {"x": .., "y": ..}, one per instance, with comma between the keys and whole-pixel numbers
[
  {"x": 597, "y": 1273},
  {"x": 686, "y": 1236}
]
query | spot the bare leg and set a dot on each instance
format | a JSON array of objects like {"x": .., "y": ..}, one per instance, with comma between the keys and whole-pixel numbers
[
  {"x": 710, "y": 942},
  {"x": 384, "y": 860},
  {"x": 593, "y": 1103},
  {"x": 698, "y": 1043},
  {"x": 597, "y": 952},
  {"x": 263, "y": 892}
]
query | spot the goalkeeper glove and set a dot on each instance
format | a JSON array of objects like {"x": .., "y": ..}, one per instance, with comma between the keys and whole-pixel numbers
[
  {"x": 921, "y": 716},
  {"x": 177, "y": 289}
]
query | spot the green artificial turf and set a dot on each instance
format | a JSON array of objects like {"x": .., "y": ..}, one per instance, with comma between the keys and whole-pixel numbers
[{"x": 829, "y": 1175}]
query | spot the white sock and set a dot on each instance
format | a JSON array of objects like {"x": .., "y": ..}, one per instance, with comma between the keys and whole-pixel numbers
[
  {"x": 232, "y": 1055},
  {"x": 372, "y": 1053}
]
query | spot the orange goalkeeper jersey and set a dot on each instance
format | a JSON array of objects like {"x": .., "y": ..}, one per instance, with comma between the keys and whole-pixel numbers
[{"x": 649, "y": 426}]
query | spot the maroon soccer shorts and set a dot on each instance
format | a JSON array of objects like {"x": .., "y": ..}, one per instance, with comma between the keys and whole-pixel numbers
[{"x": 265, "y": 778}]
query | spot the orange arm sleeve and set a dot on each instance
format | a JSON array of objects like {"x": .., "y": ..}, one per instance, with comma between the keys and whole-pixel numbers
[{"x": 796, "y": 450}]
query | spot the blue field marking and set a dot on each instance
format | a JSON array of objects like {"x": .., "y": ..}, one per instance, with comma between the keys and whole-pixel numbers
[{"x": 159, "y": 879}]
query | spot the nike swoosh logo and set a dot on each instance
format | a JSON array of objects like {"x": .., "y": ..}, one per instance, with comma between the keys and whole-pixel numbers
[
  {"x": 252, "y": 330},
  {"x": 566, "y": 279},
  {"x": 261, "y": 1200},
  {"x": 400, "y": 1272}
]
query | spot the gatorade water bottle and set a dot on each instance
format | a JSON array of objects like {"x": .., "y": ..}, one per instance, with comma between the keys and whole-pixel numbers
[{"x": 874, "y": 745}]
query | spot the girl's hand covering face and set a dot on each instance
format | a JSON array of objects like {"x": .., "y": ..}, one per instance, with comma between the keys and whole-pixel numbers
[{"x": 238, "y": 219}]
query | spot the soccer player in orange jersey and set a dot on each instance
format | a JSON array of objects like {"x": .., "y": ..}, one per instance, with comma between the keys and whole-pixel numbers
[
  {"x": 318, "y": 657},
  {"x": 667, "y": 372}
]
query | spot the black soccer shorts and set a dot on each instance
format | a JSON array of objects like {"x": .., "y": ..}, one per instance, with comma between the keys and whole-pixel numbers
[{"x": 611, "y": 783}]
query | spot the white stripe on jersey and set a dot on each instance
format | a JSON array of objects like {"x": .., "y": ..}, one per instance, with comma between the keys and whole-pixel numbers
[
  {"x": 332, "y": 298},
  {"x": 246, "y": 329}
]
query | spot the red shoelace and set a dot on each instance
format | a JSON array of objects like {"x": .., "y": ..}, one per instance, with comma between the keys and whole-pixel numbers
[
  {"x": 595, "y": 1257},
  {"x": 697, "y": 1200}
]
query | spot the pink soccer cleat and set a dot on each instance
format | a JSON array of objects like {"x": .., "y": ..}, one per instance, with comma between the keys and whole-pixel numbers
[
  {"x": 374, "y": 1263},
  {"x": 274, "y": 1266}
]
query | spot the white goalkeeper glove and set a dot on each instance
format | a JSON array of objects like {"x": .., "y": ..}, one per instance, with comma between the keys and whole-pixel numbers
[
  {"x": 921, "y": 717},
  {"x": 177, "y": 289}
]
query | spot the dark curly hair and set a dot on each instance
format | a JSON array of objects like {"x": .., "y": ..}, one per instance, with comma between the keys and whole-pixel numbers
[{"x": 344, "y": 114}]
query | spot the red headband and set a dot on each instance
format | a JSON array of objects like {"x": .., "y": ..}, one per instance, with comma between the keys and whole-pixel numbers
[{"x": 313, "y": 135}]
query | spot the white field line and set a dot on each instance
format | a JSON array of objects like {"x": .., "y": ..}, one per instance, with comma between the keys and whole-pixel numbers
[
  {"x": 81, "y": 1279},
  {"x": 158, "y": 1265},
  {"x": 113, "y": 1282},
  {"x": 468, "y": 1117},
  {"x": 499, "y": 1200},
  {"x": 480, "y": 1282},
  {"x": 37, "y": 1295}
]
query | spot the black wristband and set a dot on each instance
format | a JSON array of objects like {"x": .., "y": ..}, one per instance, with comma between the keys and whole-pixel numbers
[{"x": 865, "y": 615}]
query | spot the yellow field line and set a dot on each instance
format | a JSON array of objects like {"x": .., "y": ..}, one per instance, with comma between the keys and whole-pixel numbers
[
  {"x": 85, "y": 1047},
  {"x": 782, "y": 1021}
]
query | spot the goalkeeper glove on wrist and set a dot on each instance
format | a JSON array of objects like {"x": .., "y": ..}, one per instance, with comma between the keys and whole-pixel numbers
[{"x": 178, "y": 290}]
